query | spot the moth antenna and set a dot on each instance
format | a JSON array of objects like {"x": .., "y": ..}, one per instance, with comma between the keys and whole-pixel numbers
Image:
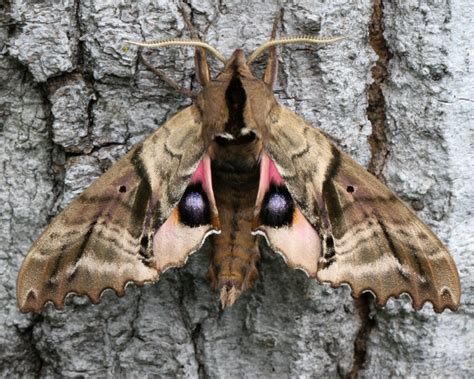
[
  {"x": 271, "y": 69},
  {"x": 290, "y": 40},
  {"x": 203, "y": 73},
  {"x": 179, "y": 42}
]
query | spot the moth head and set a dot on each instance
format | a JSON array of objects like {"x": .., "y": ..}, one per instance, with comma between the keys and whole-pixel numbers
[{"x": 236, "y": 107}]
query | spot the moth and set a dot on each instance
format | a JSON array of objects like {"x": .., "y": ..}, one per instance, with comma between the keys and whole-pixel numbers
[{"x": 235, "y": 168}]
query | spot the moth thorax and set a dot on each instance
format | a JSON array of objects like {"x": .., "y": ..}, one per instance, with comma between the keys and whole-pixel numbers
[{"x": 235, "y": 99}]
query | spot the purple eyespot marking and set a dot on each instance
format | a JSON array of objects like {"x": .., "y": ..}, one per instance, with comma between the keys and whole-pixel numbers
[
  {"x": 194, "y": 203},
  {"x": 194, "y": 209},
  {"x": 277, "y": 207},
  {"x": 277, "y": 203}
]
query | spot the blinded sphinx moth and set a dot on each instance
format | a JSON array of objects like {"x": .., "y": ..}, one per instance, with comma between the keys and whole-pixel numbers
[{"x": 235, "y": 167}]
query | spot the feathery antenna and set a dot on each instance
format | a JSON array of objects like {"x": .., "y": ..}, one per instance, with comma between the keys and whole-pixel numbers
[
  {"x": 290, "y": 40},
  {"x": 179, "y": 42}
]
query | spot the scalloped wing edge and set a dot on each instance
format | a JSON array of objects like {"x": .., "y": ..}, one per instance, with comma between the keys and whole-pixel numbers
[
  {"x": 356, "y": 295},
  {"x": 119, "y": 291},
  {"x": 383, "y": 301}
]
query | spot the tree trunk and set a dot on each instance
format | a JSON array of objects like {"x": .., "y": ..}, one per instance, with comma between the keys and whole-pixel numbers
[{"x": 398, "y": 95}]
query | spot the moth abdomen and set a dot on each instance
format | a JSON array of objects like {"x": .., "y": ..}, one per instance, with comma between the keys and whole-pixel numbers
[
  {"x": 234, "y": 252},
  {"x": 194, "y": 209}
]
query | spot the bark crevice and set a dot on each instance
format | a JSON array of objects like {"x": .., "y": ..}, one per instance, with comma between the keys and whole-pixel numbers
[
  {"x": 27, "y": 336},
  {"x": 367, "y": 322},
  {"x": 194, "y": 329},
  {"x": 376, "y": 100},
  {"x": 379, "y": 153}
]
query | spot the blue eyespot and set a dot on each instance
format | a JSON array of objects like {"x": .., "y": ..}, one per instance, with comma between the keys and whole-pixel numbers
[
  {"x": 277, "y": 207},
  {"x": 194, "y": 209}
]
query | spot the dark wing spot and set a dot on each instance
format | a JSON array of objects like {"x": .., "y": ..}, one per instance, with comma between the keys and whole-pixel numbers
[
  {"x": 277, "y": 207},
  {"x": 423, "y": 236},
  {"x": 193, "y": 208},
  {"x": 146, "y": 251},
  {"x": 404, "y": 274},
  {"x": 330, "y": 250},
  {"x": 447, "y": 296},
  {"x": 350, "y": 189},
  {"x": 122, "y": 189},
  {"x": 330, "y": 242},
  {"x": 144, "y": 241},
  {"x": 31, "y": 296}
]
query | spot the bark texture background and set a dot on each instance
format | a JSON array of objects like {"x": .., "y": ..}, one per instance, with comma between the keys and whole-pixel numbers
[{"x": 398, "y": 94}]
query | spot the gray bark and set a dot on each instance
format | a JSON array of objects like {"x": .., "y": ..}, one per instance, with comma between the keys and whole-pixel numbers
[{"x": 72, "y": 102}]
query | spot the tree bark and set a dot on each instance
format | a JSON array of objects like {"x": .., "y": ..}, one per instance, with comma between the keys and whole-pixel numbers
[{"x": 397, "y": 93}]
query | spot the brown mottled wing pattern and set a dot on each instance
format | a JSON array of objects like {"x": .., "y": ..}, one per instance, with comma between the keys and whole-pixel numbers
[
  {"x": 370, "y": 239},
  {"x": 105, "y": 237}
]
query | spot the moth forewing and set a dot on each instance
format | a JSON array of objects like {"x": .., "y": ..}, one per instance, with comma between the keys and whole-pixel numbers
[
  {"x": 106, "y": 237},
  {"x": 371, "y": 240}
]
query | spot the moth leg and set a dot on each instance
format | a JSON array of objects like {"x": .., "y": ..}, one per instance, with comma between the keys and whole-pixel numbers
[
  {"x": 189, "y": 24},
  {"x": 336, "y": 140},
  {"x": 271, "y": 70},
  {"x": 165, "y": 78},
  {"x": 200, "y": 60}
]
